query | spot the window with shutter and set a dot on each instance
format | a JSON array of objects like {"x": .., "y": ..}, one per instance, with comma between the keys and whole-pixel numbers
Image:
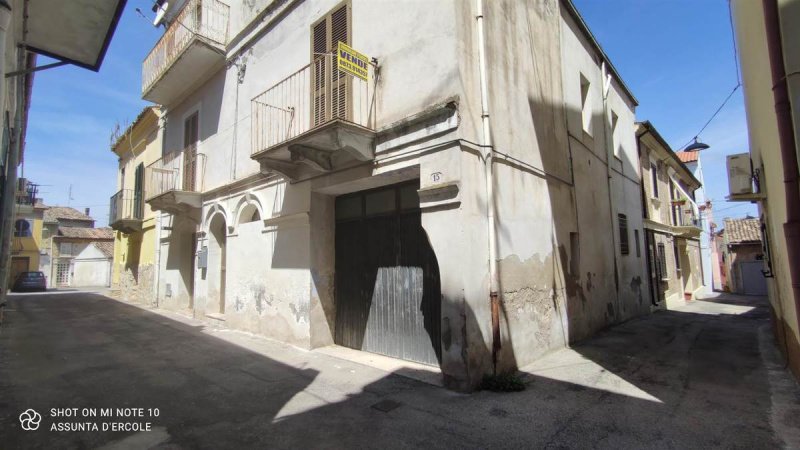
[
  {"x": 623, "y": 234},
  {"x": 138, "y": 192},
  {"x": 190, "y": 137},
  {"x": 331, "y": 87}
]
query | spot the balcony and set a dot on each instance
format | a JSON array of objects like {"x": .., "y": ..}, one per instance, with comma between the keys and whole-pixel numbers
[
  {"x": 686, "y": 220},
  {"x": 174, "y": 183},
  {"x": 190, "y": 51},
  {"x": 316, "y": 120},
  {"x": 126, "y": 211}
]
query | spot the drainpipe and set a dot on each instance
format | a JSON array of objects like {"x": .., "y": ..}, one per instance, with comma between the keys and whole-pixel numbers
[
  {"x": 486, "y": 142},
  {"x": 609, "y": 144},
  {"x": 783, "y": 113}
]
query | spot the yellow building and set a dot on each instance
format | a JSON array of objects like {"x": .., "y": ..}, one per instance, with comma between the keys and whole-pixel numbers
[
  {"x": 769, "y": 50},
  {"x": 134, "y": 223},
  {"x": 26, "y": 244}
]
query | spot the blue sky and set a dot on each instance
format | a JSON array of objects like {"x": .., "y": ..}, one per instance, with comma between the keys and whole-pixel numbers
[
  {"x": 74, "y": 111},
  {"x": 675, "y": 55}
]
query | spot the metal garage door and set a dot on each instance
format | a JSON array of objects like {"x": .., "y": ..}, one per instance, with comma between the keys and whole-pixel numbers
[
  {"x": 753, "y": 281},
  {"x": 388, "y": 298}
]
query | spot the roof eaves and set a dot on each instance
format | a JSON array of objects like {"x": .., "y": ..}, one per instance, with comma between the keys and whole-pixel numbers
[
  {"x": 649, "y": 128},
  {"x": 576, "y": 15},
  {"x": 130, "y": 128}
]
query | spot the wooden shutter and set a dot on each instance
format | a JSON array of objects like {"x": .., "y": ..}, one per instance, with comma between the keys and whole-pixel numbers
[
  {"x": 319, "y": 46},
  {"x": 339, "y": 80},
  {"x": 138, "y": 192},
  {"x": 190, "y": 137},
  {"x": 330, "y": 87},
  {"x": 623, "y": 234}
]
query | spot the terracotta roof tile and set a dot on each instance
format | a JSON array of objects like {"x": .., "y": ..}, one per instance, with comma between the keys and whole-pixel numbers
[
  {"x": 86, "y": 233},
  {"x": 53, "y": 213},
  {"x": 739, "y": 231},
  {"x": 686, "y": 157},
  {"x": 106, "y": 247}
]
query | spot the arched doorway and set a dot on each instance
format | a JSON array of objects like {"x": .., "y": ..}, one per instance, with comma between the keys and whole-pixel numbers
[{"x": 217, "y": 243}]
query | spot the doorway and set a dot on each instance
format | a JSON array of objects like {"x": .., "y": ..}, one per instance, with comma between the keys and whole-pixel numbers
[{"x": 388, "y": 293}]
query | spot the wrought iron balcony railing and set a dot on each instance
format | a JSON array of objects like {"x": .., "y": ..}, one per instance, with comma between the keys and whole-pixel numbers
[
  {"x": 309, "y": 98},
  {"x": 176, "y": 171},
  {"x": 127, "y": 204}
]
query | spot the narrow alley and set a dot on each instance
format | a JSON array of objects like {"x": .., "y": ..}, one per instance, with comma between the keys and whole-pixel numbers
[{"x": 706, "y": 374}]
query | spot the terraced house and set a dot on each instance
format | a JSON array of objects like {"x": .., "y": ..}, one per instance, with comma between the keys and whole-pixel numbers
[
  {"x": 466, "y": 203},
  {"x": 133, "y": 221},
  {"x": 673, "y": 226}
]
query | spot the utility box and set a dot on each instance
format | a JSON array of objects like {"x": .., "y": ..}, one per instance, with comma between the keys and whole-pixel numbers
[
  {"x": 740, "y": 174},
  {"x": 202, "y": 258}
]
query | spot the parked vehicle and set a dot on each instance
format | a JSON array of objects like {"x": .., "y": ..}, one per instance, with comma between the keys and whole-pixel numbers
[{"x": 30, "y": 281}]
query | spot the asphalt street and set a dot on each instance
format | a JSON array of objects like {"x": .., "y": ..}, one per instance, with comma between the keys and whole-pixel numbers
[{"x": 103, "y": 373}]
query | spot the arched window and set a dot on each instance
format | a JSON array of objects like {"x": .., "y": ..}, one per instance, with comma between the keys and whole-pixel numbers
[
  {"x": 22, "y": 228},
  {"x": 249, "y": 214}
]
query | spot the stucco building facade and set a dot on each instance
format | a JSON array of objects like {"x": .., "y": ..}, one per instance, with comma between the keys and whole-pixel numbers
[
  {"x": 318, "y": 208},
  {"x": 767, "y": 36},
  {"x": 672, "y": 221},
  {"x": 134, "y": 223}
]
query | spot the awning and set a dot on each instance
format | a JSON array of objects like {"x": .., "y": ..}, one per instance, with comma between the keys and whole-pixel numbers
[{"x": 73, "y": 31}]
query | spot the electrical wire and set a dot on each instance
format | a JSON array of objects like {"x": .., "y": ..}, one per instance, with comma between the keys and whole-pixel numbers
[
  {"x": 733, "y": 40},
  {"x": 738, "y": 78},
  {"x": 736, "y": 88}
]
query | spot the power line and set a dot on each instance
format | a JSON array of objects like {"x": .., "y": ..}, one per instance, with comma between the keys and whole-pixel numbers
[
  {"x": 738, "y": 78},
  {"x": 738, "y": 85},
  {"x": 733, "y": 40}
]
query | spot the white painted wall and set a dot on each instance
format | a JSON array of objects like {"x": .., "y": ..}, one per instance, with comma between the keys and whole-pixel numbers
[
  {"x": 280, "y": 269},
  {"x": 90, "y": 268}
]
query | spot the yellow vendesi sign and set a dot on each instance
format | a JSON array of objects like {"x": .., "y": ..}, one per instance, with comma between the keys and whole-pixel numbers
[{"x": 352, "y": 62}]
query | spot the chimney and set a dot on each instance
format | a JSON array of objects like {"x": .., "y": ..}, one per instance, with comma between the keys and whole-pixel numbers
[{"x": 86, "y": 211}]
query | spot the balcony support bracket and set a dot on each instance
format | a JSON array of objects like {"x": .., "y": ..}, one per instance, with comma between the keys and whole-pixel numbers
[
  {"x": 284, "y": 168},
  {"x": 318, "y": 159}
]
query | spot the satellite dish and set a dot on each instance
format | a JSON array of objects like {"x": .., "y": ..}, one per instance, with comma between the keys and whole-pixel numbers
[{"x": 160, "y": 13}]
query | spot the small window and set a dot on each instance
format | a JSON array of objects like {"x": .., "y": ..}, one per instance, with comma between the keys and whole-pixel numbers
[
  {"x": 677, "y": 257},
  {"x": 22, "y": 228},
  {"x": 614, "y": 140},
  {"x": 654, "y": 179},
  {"x": 636, "y": 242},
  {"x": 586, "y": 105},
  {"x": 623, "y": 234}
]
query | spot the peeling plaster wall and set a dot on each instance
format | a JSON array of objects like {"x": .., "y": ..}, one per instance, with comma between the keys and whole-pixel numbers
[
  {"x": 280, "y": 274},
  {"x": 177, "y": 259},
  {"x": 611, "y": 286}
]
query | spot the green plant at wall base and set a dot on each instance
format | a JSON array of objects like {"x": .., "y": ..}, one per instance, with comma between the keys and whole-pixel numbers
[{"x": 505, "y": 382}]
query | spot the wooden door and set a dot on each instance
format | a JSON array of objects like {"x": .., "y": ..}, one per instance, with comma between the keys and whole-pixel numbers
[
  {"x": 388, "y": 296},
  {"x": 190, "y": 137}
]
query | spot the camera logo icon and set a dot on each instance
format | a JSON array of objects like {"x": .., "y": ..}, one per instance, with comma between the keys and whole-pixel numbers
[{"x": 30, "y": 420}]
